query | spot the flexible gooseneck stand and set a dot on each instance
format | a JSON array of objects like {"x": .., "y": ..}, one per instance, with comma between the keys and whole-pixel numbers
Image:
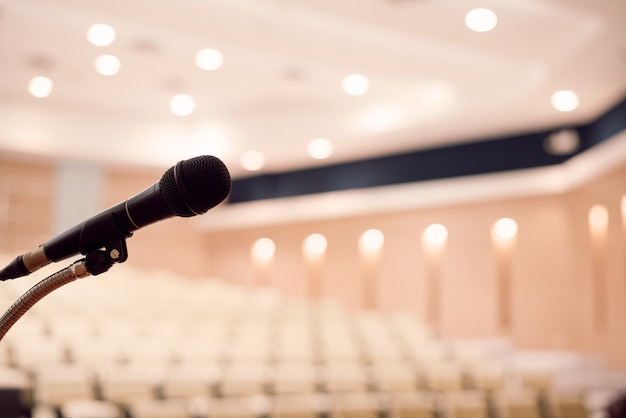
[{"x": 94, "y": 263}]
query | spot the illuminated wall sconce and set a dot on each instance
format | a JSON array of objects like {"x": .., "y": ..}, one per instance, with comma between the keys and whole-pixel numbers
[
  {"x": 434, "y": 238},
  {"x": 315, "y": 245},
  {"x": 314, "y": 248},
  {"x": 503, "y": 235},
  {"x": 370, "y": 245},
  {"x": 263, "y": 251},
  {"x": 371, "y": 242},
  {"x": 505, "y": 229},
  {"x": 598, "y": 219},
  {"x": 435, "y": 235}
]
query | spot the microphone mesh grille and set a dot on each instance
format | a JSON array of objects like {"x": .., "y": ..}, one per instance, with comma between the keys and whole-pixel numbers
[{"x": 206, "y": 180}]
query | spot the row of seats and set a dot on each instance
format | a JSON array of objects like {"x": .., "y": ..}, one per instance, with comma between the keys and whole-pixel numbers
[
  {"x": 410, "y": 404},
  {"x": 133, "y": 341}
]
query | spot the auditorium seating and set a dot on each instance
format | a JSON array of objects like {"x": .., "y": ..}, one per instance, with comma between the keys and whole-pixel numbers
[{"x": 142, "y": 344}]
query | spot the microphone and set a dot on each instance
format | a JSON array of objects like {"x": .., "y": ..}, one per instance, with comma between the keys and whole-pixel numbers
[{"x": 189, "y": 188}]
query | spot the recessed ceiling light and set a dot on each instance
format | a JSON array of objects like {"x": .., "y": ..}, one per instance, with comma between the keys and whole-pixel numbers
[
  {"x": 481, "y": 20},
  {"x": 355, "y": 84},
  {"x": 565, "y": 100},
  {"x": 209, "y": 59},
  {"x": 252, "y": 160},
  {"x": 182, "y": 105},
  {"x": 40, "y": 86},
  {"x": 320, "y": 148},
  {"x": 101, "y": 34},
  {"x": 107, "y": 65}
]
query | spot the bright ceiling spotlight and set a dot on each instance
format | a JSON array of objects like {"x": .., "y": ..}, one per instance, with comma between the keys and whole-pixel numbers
[
  {"x": 565, "y": 100},
  {"x": 107, "y": 65},
  {"x": 355, "y": 84},
  {"x": 209, "y": 59},
  {"x": 320, "y": 148},
  {"x": 182, "y": 105},
  {"x": 252, "y": 160},
  {"x": 101, "y": 34},
  {"x": 40, "y": 86},
  {"x": 481, "y": 20}
]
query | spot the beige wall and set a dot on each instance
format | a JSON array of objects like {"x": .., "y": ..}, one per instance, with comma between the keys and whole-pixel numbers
[
  {"x": 552, "y": 271},
  {"x": 26, "y": 190}
]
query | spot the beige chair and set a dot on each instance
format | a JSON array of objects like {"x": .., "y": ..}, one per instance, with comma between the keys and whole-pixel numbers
[
  {"x": 296, "y": 406},
  {"x": 199, "y": 349},
  {"x": 242, "y": 379},
  {"x": 150, "y": 351},
  {"x": 43, "y": 411},
  {"x": 31, "y": 353},
  {"x": 396, "y": 376},
  {"x": 464, "y": 404},
  {"x": 569, "y": 405},
  {"x": 123, "y": 385},
  {"x": 345, "y": 377},
  {"x": 96, "y": 352},
  {"x": 487, "y": 375},
  {"x": 238, "y": 407},
  {"x": 296, "y": 351},
  {"x": 160, "y": 408},
  {"x": 338, "y": 351},
  {"x": 294, "y": 378},
  {"x": 423, "y": 352},
  {"x": 411, "y": 404},
  {"x": 517, "y": 403},
  {"x": 354, "y": 405},
  {"x": 56, "y": 385},
  {"x": 189, "y": 381},
  {"x": 90, "y": 409},
  {"x": 442, "y": 376},
  {"x": 537, "y": 379}
]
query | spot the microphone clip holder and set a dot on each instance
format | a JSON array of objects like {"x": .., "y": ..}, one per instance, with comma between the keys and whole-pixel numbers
[
  {"x": 101, "y": 260},
  {"x": 94, "y": 263}
]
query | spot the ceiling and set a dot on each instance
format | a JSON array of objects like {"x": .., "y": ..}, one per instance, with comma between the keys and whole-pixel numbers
[{"x": 432, "y": 80}]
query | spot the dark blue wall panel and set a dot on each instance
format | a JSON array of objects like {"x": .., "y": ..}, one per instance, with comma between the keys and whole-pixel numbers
[{"x": 486, "y": 156}]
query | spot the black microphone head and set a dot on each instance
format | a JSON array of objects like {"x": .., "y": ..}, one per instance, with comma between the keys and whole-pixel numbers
[{"x": 196, "y": 185}]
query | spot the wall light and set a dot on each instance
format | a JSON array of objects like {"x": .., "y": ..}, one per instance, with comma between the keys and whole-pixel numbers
[
  {"x": 505, "y": 228},
  {"x": 371, "y": 240},
  {"x": 263, "y": 249},
  {"x": 435, "y": 234},
  {"x": 598, "y": 218},
  {"x": 315, "y": 244}
]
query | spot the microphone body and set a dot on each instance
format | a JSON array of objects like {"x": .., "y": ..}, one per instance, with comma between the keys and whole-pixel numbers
[{"x": 190, "y": 188}]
